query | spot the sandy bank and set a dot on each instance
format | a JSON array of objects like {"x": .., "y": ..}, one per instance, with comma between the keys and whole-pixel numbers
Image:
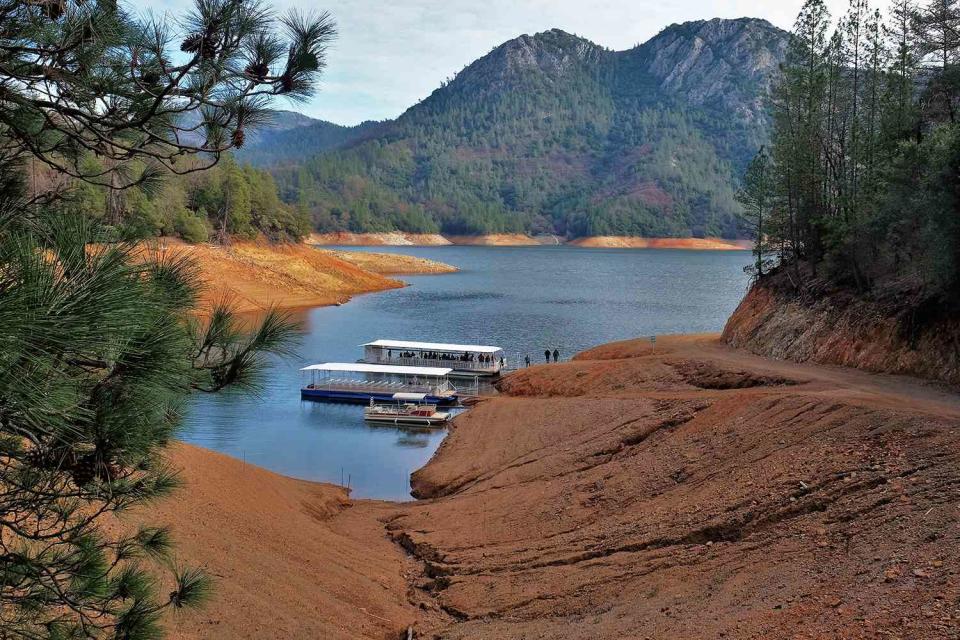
[
  {"x": 290, "y": 559},
  {"x": 399, "y": 238},
  {"x": 624, "y": 242},
  {"x": 257, "y": 275},
  {"x": 495, "y": 240},
  {"x": 402, "y": 238},
  {"x": 392, "y": 264},
  {"x": 395, "y": 238}
]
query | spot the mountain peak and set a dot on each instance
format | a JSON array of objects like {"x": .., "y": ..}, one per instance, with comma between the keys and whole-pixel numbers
[
  {"x": 548, "y": 55},
  {"x": 723, "y": 24},
  {"x": 699, "y": 60},
  {"x": 549, "y": 51}
]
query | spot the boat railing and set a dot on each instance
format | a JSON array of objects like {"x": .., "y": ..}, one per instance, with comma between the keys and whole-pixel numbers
[
  {"x": 460, "y": 365},
  {"x": 368, "y": 385}
]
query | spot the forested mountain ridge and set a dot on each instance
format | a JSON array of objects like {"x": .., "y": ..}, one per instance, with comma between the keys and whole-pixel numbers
[
  {"x": 552, "y": 133},
  {"x": 291, "y": 136}
]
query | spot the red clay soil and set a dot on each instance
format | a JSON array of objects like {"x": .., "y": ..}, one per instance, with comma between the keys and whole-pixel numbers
[
  {"x": 289, "y": 559},
  {"x": 696, "y": 492},
  {"x": 897, "y": 335},
  {"x": 254, "y": 276},
  {"x": 630, "y": 242}
]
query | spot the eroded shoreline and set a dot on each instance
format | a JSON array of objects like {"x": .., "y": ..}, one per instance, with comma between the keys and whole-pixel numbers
[
  {"x": 400, "y": 238},
  {"x": 694, "y": 492},
  {"x": 254, "y": 276}
]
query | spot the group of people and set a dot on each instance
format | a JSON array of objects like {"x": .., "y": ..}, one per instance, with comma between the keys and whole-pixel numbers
[
  {"x": 547, "y": 354},
  {"x": 482, "y": 358}
]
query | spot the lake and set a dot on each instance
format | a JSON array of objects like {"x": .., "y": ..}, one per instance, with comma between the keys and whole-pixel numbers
[{"x": 524, "y": 299}]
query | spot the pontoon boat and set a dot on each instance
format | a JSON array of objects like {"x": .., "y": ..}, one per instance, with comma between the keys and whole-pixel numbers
[
  {"x": 406, "y": 409},
  {"x": 352, "y": 382},
  {"x": 465, "y": 360}
]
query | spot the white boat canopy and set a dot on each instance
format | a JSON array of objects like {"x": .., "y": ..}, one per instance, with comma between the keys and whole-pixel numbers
[
  {"x": 353, "y": 367},
  {"x": 410, "y": 397},
  {"x": 433, "y": 346}
]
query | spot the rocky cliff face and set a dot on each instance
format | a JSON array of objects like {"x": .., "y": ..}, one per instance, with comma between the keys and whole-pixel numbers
[
  {"x": 843, "y": 329},
  {"x": 550, "y": 55},
  {"x": 729, "y": 63}
]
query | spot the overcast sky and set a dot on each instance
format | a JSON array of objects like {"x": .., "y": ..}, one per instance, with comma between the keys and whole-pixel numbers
[{"x": 392, "y": 53}]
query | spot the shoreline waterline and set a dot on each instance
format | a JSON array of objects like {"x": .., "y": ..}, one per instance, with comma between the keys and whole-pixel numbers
[
  {"x": 524, "y": 299},
  {"x": 405, "y": 239}
]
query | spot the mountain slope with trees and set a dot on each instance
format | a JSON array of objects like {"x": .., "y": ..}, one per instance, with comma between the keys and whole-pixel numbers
[
  {"x": 291, "y": 135},
  {"x": 554, "y": 134},
  {"x": 855, "y": 203}
]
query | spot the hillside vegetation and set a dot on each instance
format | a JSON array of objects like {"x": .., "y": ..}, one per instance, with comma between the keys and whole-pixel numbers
[
  {"x": 213, "y": 204},
  {"x": 553, "y": 134},
  {"x": 856, "y": 202}
]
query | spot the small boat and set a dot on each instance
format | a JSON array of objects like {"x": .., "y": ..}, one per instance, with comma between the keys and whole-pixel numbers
[
  {"x": 361, "y": 383},
  {"x": 464, "y": 360},
  {"x": 408, "y": 409}
]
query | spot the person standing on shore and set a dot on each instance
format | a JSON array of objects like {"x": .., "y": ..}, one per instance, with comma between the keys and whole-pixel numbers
[
  {"x": 556, "y": 355},
  {"x": 546, "y": 355},
  {"x": 527, "y": 359}
]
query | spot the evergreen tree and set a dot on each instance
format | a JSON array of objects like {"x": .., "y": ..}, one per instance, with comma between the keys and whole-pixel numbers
[
  {"x": 938, "y": 26},
  {"x": 756, "y": 196},
  {"x": 902, "y": 43},
  {"x": 98, "y": 348},
  {"x": 863, "y": 167}
]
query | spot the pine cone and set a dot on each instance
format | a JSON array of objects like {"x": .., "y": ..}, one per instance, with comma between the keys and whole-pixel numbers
[
  {"x": 84, "y": 470},
  {"x": 258, "y": 71},
  {"x": 53, "y": 9},
  {"x": 39, "y": 458},
  {"x": 237, "y": 138},
  {"x": 208, "y": 48},
  {"x": 286, "y": 83},
  {"x": 192, "y": 43}
]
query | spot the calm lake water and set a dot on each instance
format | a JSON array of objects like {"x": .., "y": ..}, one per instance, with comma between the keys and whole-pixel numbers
[{"x": 525, "y": 299}]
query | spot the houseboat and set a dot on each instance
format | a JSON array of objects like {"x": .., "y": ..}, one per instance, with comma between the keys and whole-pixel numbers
[
  {"x": 406, "y": 409},
  {"x": 464, "y": 360},
  {"x": 361, "y": 383}
]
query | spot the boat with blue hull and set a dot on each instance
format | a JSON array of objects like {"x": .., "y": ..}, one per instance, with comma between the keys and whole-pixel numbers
[{"x": 361, "y": 383}]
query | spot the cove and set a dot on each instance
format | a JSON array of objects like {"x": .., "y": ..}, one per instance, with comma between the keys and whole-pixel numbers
[{"x": 525, "y": 299}]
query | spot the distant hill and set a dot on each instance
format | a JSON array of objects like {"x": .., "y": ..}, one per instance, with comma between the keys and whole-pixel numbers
[
  {"x": 552, "y": 133},
  {"x": 291, "y": 137}
]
